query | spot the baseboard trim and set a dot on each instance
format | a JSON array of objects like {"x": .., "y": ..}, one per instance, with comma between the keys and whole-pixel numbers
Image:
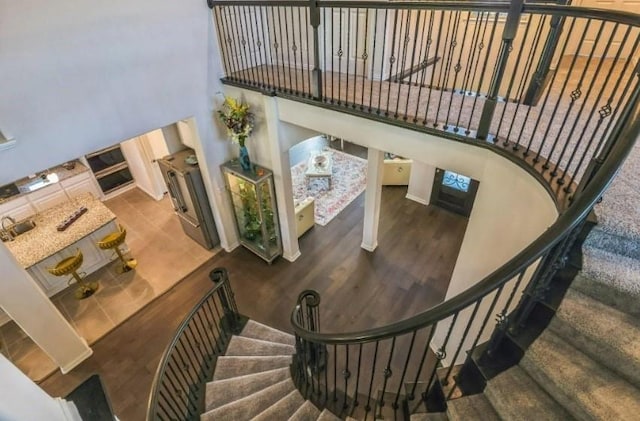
[
  {"x": 230, "y": 247},
  {"x": 73, "y": 364},
  {"x": 417, "y": 199},
  {"x": 292, "y": 258},
  {"x": 369, "y": 247}
]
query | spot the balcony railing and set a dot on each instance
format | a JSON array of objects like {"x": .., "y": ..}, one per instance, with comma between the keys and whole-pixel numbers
[{"x": 545, "y": 83}]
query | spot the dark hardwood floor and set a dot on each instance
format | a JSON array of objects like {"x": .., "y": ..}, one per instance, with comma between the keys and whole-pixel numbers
[{"x": 408, "y": 273}]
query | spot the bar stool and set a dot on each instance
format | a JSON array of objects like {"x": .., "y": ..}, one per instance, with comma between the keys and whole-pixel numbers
[
  {"x": 113, "y": 241},
  {"x": 70, "y": 265}
]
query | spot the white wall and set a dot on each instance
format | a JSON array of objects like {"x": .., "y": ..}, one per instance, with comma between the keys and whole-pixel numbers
[
  {"x": 22, "y": 399},
  {"x": 83, "y": 76}
]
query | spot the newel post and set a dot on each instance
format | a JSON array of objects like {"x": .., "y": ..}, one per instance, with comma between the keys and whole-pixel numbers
[
  {"x": 227, "y": 299},
  {"x": 316, "y": 73},
  {"x": 508, "y": 34}
]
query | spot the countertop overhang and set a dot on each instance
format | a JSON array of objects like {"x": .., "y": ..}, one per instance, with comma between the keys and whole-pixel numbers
[{"x": 45, "y": 240}]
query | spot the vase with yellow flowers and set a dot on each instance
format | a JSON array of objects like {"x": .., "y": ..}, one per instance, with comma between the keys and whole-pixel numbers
[{"x": 239, "y": 121}]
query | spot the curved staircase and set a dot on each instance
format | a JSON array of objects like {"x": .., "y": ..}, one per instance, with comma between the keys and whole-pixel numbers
[{"x": 253, "y": 380}]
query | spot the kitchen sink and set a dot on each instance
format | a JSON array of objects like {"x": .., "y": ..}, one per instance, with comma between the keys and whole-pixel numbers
[{"x": 22, "y": 227}]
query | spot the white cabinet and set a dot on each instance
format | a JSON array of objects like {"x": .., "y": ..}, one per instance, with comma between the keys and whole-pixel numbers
[
  {"x": 47, "y": 197},
  {"x": 93, "y": 259},
  {"x": 18, "y": 208},
  {"x": 79, "y": 184}
]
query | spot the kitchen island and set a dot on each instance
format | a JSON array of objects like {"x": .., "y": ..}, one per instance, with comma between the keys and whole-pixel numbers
[{"x": 44, "y": 246}]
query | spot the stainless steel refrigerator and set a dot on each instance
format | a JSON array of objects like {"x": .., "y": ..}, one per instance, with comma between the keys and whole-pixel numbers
[{"x": 189, "y": 197}]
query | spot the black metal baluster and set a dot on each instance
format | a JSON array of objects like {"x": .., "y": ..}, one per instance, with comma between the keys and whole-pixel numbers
[
  {"x": 283, "y": 82},
  {"x": 425, "y": 62},
  {"x": 244, "y": 30},
  {"x": 387, "y": 374},
  {"x": 522, "y": 86},
  {"x": 357, "y": 389},
  {"x": 335, "y": 373},
  {"x": 404, "y": 45},
  {"x": 367, "y": 407},
  {"x": 340, "y": 54},
  {"x": 303, "y": 92},
  {"x": 513, "y": 77},
  {"x": 484, "y": 66},
  {"x": 392, "y": 60},
  {"x": 210, "y": 324},
  {"x": 346, "y": 374},
  {"x": 555, "y": 109},
  {"x": 457, "y": 68},
  {"x": 268, "y": 57},
  {"x": 411, "y": 69},
  {"x": 250, "y": 41},
  {"x": 441, "y": 354},
  {"x": 364, "y": 57},
  {"x": 467, "y": 81},
  {"x": 384, "y": 46},
  {"x": 235, "y": 56},
  {"x": 373, "y": 57},
  {"x": 404, "y": 370},
  {"x": 461, "y": 344},
  {"x": 309, "y": 67},
  {"x": 433, "y": 73},
  {"x": 484, "y": 24},
  {"x": 485, "y": 321},
  {"x": 260, "y": 45},
  {"x": 294, "y": 48},
  {"x": 241, "y": 46},
  {"x": 544, "y": 103},
  {"x": 355, "y": 59},
  {"x": 423, "y": 358},
  {"x": 577, "y": 118},
  {"x": 221, "y": 44},
  {"x": 346, "y": 91},
  {"x": 286, "y": 34},
  {"x": 444, "y": 69},
  {"x": 324, "y": 50},
  {"x": 333, "y": 58}
]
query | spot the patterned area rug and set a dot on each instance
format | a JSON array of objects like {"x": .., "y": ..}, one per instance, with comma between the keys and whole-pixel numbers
[{"x": 347, "y": 182}]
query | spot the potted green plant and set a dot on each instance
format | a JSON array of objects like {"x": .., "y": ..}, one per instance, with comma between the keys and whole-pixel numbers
[{"x": 239, "y": 121}]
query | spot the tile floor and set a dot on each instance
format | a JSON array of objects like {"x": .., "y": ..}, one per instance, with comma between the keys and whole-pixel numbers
[{"x": 165, "y": 255}]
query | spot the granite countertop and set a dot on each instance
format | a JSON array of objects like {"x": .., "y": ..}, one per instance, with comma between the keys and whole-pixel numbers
[
  {"x": 59, "y": 170},
  {"x": 45, "y": 240}
]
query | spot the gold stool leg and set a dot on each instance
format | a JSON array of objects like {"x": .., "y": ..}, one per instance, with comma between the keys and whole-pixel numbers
[
  {"x": 85, "y": 289},
  {"x": 127, "y": 264}
]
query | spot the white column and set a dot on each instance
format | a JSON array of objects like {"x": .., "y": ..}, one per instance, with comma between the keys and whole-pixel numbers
[
  {"x": 372, "y": 196},
  {"x": 24, "y": 301},
  {"x": 421, "y": 182},
  {"x": 22, "y": 399},
  {"x": 282, "y": 181}
]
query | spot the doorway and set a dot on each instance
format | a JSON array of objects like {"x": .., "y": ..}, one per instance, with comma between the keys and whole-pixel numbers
[{"x": 454, "y": 192}]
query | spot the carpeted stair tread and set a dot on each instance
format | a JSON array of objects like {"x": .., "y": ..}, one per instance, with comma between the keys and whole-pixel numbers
[
  {"x": 515, "y": 396},
  {"x": 227, "y": 367},
  {"x": 327, "y": 415},
  {"x": 257, "y": 330},
  {"x": 619, "y": 213},
  {"x": 251, "y": 405},
  {"x": 241, "y": 346},
  {"x": 473, "y": 407},
  {"x": 307, "y": 411},
  {"x": 611, "y": 279},
  {"x": 221, "y": 392},
  {"x": 429, "y": 416},
  {"x": 587, "y": 324},
  {"x": 585, "y": 388},
  {"x": 282, "y": 409}
]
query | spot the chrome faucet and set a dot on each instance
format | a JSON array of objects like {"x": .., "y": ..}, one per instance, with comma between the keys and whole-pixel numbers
[{"x": 5, "y": 235}]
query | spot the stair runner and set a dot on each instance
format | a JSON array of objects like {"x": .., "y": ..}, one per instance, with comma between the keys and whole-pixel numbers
[{"x": 586, "y": 365}]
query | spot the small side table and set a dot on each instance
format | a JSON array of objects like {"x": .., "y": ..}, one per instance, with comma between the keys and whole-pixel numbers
[{"x": 320, "y": 165}]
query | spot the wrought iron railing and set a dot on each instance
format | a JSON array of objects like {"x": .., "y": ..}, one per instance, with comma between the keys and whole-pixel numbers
[
  {"x": 543, "y": 84},
  {"x": 189, "y": 360},
  {"x": 363, "y": 374}
]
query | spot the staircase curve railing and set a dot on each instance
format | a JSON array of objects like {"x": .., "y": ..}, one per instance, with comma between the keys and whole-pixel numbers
[
  {"x": 553, "y": 87},
  {"x": 542, "y": 84},
  {"x": 188, "y": 362}
]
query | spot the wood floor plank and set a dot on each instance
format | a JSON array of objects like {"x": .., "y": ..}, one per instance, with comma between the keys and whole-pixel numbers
[{"x": 408, "y": 273}]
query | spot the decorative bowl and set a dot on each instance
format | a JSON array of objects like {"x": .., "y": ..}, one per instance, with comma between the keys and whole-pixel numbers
[{"x": 320, "y": 161}]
